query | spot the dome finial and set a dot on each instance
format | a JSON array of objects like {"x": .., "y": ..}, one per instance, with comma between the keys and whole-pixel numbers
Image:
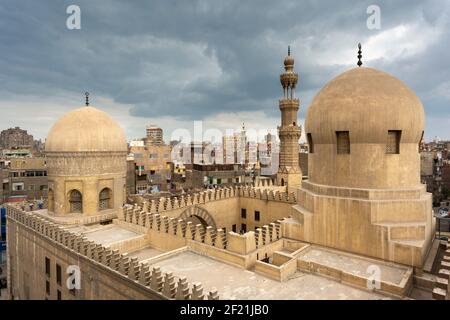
[
  {"x": 289, "y": 50},
  {"x": 359, "y": 55},
  {"x": 87, "y": 98}
]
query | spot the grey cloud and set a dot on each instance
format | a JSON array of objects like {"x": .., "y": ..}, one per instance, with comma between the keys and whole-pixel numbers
[{"x": 192, "y": 59}]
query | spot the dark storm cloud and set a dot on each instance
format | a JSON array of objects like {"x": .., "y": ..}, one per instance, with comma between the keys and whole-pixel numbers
[{"x": 192, "y": 59}]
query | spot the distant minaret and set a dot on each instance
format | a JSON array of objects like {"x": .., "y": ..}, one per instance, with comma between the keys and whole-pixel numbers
[{"x": 289, "y": 172}]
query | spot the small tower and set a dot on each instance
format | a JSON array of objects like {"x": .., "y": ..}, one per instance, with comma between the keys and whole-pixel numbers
[{"x": 289, "y": 172}]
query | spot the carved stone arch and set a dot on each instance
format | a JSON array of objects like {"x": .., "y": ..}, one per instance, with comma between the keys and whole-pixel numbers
[
  {"x": 105, "y": 199},
  {"x": 201, "y": 213},
  {"x": 75, "y": 201}
]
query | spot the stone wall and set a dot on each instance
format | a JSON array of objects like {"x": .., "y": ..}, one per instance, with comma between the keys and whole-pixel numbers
[
  {"x": 394, "y": 225},
  {"x": 167, "y": 233},
  {"x": 224, "y": 205},
  {"x": 105, "y": 273}
]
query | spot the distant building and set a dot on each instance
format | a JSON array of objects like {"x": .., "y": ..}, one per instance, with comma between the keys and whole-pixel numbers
[
  {"x": 137, "y": 143},
  {"x": 3, "y": 254},
  {"x": 131, "y": 175},
  {"x": 446, "y": 177},
  {"x": 427, "y": 169},
  {"x": 435, "y": 158},
  {"x": 23, "y": 179},
  {"x": 28, "y": 178},
  {"x": 206, "y": 175},
  {"x": 268, "y": 155},
  {"x": 16, "y": 153},
  {"x": 152, "y": 158},
  {"x": 154, "y": 136},
  {"x": 235, "y": 148},
  {"x": 15, "y": 138}
]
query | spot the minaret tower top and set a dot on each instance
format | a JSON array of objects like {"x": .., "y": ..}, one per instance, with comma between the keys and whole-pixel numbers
[
  {"x": 289, "y": 61},
  {"x": 288, "y": 78},
  {"x": 289, "y": 173}
]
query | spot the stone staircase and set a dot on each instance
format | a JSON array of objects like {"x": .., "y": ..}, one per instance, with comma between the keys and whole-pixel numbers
[{"x": 441, "y": 290}]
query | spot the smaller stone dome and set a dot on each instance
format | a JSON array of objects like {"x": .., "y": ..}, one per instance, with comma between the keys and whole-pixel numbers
[
  {"x": 86, "y": 129},
  {"x": 288, "y": 61}
]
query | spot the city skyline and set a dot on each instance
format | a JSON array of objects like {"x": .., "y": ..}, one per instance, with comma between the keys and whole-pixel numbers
[{"x": 202, "y": 65}]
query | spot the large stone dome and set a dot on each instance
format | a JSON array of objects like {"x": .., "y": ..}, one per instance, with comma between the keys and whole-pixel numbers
[
  {"x": 379, "y": 122},
  {"x": 367, "y": 103},
  {"x": 86, "y": 129}
]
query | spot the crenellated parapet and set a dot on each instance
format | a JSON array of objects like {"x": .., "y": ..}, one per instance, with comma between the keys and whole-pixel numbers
[
  {"x": 187, "y": 231},
  {"x": 256, "y": 191},
  {"x": 164, "y": 284},
  {"x": 267, "y": 194}
]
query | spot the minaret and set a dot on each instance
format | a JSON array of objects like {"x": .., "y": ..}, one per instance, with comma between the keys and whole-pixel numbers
[{"x": 289, "y": 173}]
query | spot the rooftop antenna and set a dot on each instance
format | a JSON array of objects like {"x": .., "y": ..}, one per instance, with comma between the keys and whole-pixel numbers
[
  {"x": 87, "y": 98},
  {"x": 359, "y": 55}
]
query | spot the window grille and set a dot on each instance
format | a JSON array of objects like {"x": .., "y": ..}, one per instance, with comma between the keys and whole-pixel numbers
[
  {"x": 76, "y": 201},
  {"x": 104, "y": 199},
  {"x": 343, "y": 142},
  {"x": 393, "y": 142}
]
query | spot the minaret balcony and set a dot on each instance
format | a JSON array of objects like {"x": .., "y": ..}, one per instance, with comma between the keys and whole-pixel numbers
[
  {"x": 288, "y": 79},
  {"x": 291, "y": 130},
  {"x": 289, "y": 103}
]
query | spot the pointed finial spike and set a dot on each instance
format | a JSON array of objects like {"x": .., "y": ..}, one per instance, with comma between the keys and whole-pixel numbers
[
  {"x": 87, "y": 98},
  {"x": 359, "y": 55},
  {"x": 289, "y": 50}
]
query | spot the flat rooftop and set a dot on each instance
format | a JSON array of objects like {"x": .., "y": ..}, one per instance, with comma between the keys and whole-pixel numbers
[
  {"x": 354, "y": 264},
  {"x": 144, "y": 254},
  {"x": 107, "y": 234},
  {"x": 237, "y": 283}
]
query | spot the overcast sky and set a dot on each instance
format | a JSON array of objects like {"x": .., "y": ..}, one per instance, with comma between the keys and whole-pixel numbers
[{"x": 172, "y": 62}]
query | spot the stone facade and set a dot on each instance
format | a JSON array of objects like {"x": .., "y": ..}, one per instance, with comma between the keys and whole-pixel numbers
[
  {"x": 89, "y": 173},
  {"x": 44, "y": 247},
  {"x": 86, "y": 159},
  {"x": 361, "y": 180}
]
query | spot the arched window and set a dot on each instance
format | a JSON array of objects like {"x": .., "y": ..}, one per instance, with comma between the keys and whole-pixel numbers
[
  {"x": 76, "y": 201},
  {"x": 50, "y": 200},
  {"x": 104, "y": 201}
]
